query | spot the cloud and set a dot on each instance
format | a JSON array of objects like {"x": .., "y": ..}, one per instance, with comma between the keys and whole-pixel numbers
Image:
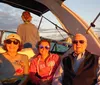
[{"x": 9, "y": 17}]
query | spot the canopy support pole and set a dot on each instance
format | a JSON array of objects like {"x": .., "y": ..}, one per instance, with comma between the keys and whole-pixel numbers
[{"x": 92, "y": 24}]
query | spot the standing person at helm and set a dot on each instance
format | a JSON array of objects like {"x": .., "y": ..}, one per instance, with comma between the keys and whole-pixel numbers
[{"x": 28, "y": 31}]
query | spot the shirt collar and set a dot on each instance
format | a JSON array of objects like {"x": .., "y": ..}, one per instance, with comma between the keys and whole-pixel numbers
[{"x": 77, "y": 55}]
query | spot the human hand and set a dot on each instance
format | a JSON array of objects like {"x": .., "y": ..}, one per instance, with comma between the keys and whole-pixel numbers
[{"x": 45, "y": 82}]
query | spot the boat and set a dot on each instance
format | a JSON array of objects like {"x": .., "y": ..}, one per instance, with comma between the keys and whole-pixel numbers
[{"x": 71, "y": 22}]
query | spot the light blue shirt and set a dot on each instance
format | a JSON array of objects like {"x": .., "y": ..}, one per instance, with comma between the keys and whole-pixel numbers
[{"x": 77, "y": 61}]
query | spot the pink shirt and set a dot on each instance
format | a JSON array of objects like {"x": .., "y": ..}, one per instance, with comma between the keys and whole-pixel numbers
[{"x": 45, "y": 69}]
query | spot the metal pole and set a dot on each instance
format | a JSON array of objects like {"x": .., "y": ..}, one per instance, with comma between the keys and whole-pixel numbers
[
  {"x": 92, "y": 24},
  {"x": 40, "y": 22},
  {"x": 58, "y": 26}
]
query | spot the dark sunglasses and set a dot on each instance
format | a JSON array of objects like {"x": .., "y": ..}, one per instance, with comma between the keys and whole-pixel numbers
[
  {"x": 46, "y": 47},
  {"x": 10, "y": 41},
  {"x": 78, "y": 41}
]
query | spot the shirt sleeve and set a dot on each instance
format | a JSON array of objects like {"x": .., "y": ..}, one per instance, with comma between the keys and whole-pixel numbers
[
  {"x": 57, "y": 78},
  {"x": 98, "y": 73},
  {"x": 57, "y": 60}
]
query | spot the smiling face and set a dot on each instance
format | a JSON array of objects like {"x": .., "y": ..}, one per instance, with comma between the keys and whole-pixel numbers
[
  {"x": 12, "y": 45},
  {"x": 44, "y": 48},
  {"x": 79, "y": 43}
]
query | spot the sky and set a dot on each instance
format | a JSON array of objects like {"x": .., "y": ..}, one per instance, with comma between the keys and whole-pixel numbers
[
  {"x": 10, "y": 17},
  {"x": 86, "y": 9}
]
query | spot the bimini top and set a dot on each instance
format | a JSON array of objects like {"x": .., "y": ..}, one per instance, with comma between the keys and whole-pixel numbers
[{"x": 30, "y": 5}]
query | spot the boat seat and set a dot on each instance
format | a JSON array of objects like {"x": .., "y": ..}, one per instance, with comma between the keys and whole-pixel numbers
[
  {"x": 2, "y": 50},
  {"x": 26, "y": 51}
]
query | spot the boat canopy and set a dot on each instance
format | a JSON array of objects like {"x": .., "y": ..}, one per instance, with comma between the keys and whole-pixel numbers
[{"x": 30, "y": 5}]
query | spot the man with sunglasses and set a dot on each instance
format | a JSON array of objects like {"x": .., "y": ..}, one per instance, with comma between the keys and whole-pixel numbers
[{"x": 80, "y": 67}]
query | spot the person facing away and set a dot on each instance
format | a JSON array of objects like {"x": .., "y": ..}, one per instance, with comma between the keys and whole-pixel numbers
[
  {"x": 13, "y": 66},
  {"x": 44, "y": 65},
  {"x": 28, "y": 31},
  {"x": 80, "y": 67}
]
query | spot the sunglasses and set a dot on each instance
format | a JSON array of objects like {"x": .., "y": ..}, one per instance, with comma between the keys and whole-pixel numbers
[
  {"x": 78, "y": 41},
  {"x": 46, "y": 47},
  {"x": 10, "y": 41}
]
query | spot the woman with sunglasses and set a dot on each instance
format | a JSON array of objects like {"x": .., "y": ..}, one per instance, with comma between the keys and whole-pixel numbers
[
  {"x": 13, "y": 66},
  {"x": 44, "y": 65}
]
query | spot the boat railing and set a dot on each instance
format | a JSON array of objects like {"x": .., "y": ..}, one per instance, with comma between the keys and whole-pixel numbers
[{"x": 56, "y": 26}]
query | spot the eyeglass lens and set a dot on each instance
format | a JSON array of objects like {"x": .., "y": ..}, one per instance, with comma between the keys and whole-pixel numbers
[
  {"x": 76, "y": 41},
  {"x": 10, "y": 41},
  {"x": 46, "y": 47}
]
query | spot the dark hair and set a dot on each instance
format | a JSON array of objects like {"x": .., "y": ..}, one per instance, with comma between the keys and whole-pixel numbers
[
  {"x": 20, "y": 46},
  {"x": 43, "y": 40}
]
